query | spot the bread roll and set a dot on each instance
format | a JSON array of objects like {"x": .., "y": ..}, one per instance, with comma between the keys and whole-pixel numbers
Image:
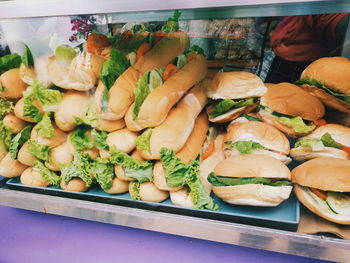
[
  {"x": 74, "y": 185},
  {"x": 25, "y": 157},
  {"x": 123, "y": 140},
  {"x": 19, "y": 110},
  {"x": 174, "y": 132},
  {"x": 118, "y": 186},
  {"x": 13, "y": 123},
  {"x": 11, "y": 168},
  {"x": 58, "y": 138},
  {"x": 58, "y": 156},
  {"x": 32, "y": 177},
  {"x": 12, "y": 84}
]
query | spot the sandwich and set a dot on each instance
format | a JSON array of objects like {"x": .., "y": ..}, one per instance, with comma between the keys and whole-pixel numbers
[
  {"x": 255, "y": 137},
  {"x": 330, "y": 140},
  {"x": 290, "y": 109},
  {"x": 188, "y": 152},
  {"x": 233, "y": 94},
  {"x": 81, "y": 139},
  {"x": 11, "y": 85},
  {"x": 323, "y": 186},
  {"x": 175, "y": 130},
  {"x": 147, "y": 191},
  {"x": 251, "y": 179},
  {"x": 328, "y": 79},
  {"x": 39, "y": 175}
]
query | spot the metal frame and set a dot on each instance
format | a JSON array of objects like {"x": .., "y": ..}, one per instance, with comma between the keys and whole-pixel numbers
[
  {"x": 232, "y": 233},
  {"x": 242, "y": 8}
]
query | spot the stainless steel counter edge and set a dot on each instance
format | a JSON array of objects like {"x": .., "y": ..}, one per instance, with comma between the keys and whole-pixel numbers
[
  {"x": 242, "y": 8},
  {"x": 237, "y": 234}
]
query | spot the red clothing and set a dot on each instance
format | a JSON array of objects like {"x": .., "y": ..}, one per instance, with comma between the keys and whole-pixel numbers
[{"x": 305, "y": 38}]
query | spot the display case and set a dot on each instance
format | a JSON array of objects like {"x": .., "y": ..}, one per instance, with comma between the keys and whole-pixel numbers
[{"x": 234, "y": 36}]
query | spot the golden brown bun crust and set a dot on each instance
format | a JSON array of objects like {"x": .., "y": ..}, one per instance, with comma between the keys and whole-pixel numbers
[
  {"x": 289, "y": 99},
  {"x": 118, "y": 187},
  {"x": 75, "y": 185},
  {"x": 260, "y": 132},
  {"x": 12, "y": 83},
  {"x": 252, "y": 165},
  {"x": 110, "y": 125},
  {"x": 327, "y": 174},
  {"x": 25, "y": 157},
  {"x": 236, "y": 85},
  {"x": 334, "y": 72},
  {"x": 163, "y": 52},
  {"x": 13, "y": 123},
  {"x": 73, "y": 103},
  {"x": 33, "y": 178},
  {"x": 302, "y": 195},
  {"x": 327, "y": 99},
  {"x": 11, "y": 168},
  {"x": 158, "y": 103},
  {"x": 268, "y": 118},
  {"x": 150, "y": 193},
  {"x": 231, "y": 115},
  {"x": 123, "y": 139}
]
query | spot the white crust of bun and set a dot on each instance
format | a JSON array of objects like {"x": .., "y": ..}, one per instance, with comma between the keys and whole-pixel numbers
[
  {"x": 253, "y": 194},
  {"x": 236, "y": 85},
  {"x": 318, "y": 207}
]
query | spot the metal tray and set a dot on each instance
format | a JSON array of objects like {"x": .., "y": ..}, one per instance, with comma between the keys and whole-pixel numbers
[{"x": 285, "y": 216}]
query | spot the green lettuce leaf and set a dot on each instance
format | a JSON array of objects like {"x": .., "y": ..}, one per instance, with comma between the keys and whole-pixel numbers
[
  {"x": 19, "y": 140},
  {"x": 80, "y": 138},
  {"x": 200, "y": 198},
  {"x": 64, "y": 55},
  {"x": 5, "y": 134},
  {"x": 225, "y": 106},
  {"x": 195, "y": 49},
  {"x": 80, "y": 167},
  {"x": 313, "y": 82},
  {"x": 143, "y": 142},
  {"x": 40, "y": 151},
  {"x": 48, "y": 98},
  {"x": 307, "y": 143},
  {"x": 172, "y": 25},
  {"x": 250, "y": 118},
  {"x": 91, "y": 117},
  {"x": 141, "y": 92},
  {"x": 328, "y": 141},
  {"x": 227, "y": 181},
  {"x": 296, "y": 123},
  {"x": 100, "y": 138},
  {"x": 133, "y": 168},
  {"x": 27, "y": 57},
  {"x": 6, "y": 106},
  {"x": 45, "y": 127},
  {"x": 135, "y": 190},
  {"x": 103, "y": 171},
  {"x": 9, "y": 62},
  {"x": 244, "y": 147},
  {"x": 47, "y": 174}
]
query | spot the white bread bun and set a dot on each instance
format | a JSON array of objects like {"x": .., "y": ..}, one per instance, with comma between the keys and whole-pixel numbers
[
  {"x": 290, "y": 99},
  {"x": 236, "y": 85},
  {"x": 25, "y": 157},
  {"x": 158, "y": 103},
  {"x": 150, "y": 193},
  {"x": 327, "y": 174},
  {"x": 12, "y": 84},
  {"x": 253, "y": 194},
  {"x": 73, "y": 103},
  {"x": 58, "y": 138},
  {"x": 13, "y": 123},
  {"x": 181, "y": 197},
  {"x": 32, "y": 177},
  {"x": 11, "y": 168},
  {"x": 163, "y": 52},
  {"x": 253, "y": 165},
  {"x": 74, "y": 185},
  {"x": 187, "y": 153},
  {"x": 108, "y": 114},
  {"x": 118, "y": 186},
  {"x": 307, "y": 198},
  {"x": 27, "y": 74},
  {"x": 18, "y": 110},
  {"x": 82, "y": 74},
  {"x": 175, "y": 130},
  {"x": 265, "y": 134},
  {"x": 123, "y": 140},
  {"x": 270, "y": 119},
  {"x": 233, "y": 114},
  {"x": 339, "y": 133},
  {"x": 58, "y": 156}
]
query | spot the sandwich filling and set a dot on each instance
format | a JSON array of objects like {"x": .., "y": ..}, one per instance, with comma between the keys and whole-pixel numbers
[
  {"x": 319, "y": 144},
  {"x": 298, "y": 124},
  {"x": 312, "y": 82},
  {"x": 51, "y": 177},
  {"x": 220, "y": 107},
  {"x": 217, "y": 180}
]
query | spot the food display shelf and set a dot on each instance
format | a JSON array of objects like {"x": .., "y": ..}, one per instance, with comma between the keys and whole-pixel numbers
[{"x": 320, "y": 247}]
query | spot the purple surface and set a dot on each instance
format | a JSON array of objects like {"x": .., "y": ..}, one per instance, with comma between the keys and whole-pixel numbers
[{"x": 27, "y": 236}]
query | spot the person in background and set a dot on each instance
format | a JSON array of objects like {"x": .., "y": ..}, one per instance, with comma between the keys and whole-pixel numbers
[{"x": 299, "y": 40}]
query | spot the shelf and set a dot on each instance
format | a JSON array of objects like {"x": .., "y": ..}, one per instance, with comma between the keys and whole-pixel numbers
[
  {"x": 320, "y": 247},
  {"x": 196, "y": 9}
]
